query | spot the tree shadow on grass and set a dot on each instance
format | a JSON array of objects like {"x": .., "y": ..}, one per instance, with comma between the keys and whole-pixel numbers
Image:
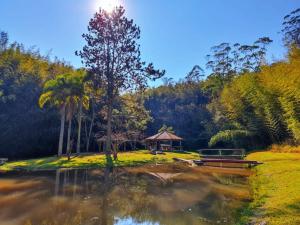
[
  {"x": 109, "y": 163},
  {"x": 295, "y": 207},
  {"x": 181, "y": 152}
]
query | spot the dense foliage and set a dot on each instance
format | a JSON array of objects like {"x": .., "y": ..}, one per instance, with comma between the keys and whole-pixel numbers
[
  {"x": 242, "y": 102},
  {"x": 266, "y": 103},
  {"x": 26, "y": 130},
  {"x": 183, "y": 107},
  {"x": 251, "y": 109}
]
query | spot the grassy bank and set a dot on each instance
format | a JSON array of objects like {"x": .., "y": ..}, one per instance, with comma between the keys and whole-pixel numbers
[
  {"x": 276, "y": 189},
  {"x": 96, "y": 161}
]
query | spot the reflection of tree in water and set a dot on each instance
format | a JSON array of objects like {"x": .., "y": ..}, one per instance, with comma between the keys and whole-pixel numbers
[
  {"x": 105, "y": 196},
  {"x": 144, "y": 197}
]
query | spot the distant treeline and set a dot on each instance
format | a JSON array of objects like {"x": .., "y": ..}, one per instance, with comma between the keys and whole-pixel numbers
[
  {"x": 242, "y": 101},
  {"x": 251, "y": 109}
]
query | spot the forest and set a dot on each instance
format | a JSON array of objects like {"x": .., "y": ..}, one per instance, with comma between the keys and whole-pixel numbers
[{"x": 238, "y": 99}]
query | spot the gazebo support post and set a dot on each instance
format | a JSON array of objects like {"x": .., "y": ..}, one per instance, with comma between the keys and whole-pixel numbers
[{"x": 180, "y": 146}]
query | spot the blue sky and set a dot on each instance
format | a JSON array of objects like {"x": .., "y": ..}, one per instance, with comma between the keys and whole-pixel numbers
[{"x": 176, "y": 34}]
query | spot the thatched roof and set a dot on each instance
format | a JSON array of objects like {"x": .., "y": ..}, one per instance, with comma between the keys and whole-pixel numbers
[{"x": 164, "y": 136}]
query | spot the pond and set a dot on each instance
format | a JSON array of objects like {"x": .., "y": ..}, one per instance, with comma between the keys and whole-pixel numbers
[{"x": 147, "y": 195}]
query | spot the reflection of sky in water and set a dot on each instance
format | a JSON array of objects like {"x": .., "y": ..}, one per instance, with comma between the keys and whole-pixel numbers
[{"x": 130, "y": 221}]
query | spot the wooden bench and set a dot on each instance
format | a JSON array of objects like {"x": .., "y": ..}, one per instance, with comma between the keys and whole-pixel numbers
[
  {"x": 223, "y": 157},
  {"x": 223, "y": 153}
]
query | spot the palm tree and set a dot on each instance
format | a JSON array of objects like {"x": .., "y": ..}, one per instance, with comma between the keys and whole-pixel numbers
[
  {"x": 71, "y": 105},
  {"x": 67, "y": 92},
  {"x": 83, "y": 101},
  {"x": 76, "y": 100},
  {"x": 55, "y": 92}
]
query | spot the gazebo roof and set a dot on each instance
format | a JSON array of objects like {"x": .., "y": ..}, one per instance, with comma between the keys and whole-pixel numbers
[{"x": 164, "y": 136}]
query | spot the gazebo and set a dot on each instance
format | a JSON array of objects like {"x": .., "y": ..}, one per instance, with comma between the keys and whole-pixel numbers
[{"x": 163, "y": 141}]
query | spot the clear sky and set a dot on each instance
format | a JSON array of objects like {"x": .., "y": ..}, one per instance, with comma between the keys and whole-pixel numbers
[{"x": 176, "y": 34}]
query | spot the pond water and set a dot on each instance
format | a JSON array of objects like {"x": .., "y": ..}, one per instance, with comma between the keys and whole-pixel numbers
[{"x": 148, "y": 195}]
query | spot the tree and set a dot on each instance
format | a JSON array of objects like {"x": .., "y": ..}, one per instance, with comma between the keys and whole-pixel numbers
[
  {"x": 251, "y": 57},
  {"x": 112, "y": 54},
  {"x": 66, "y": 92},
  {"x": 82, "y": 98},
  {"x": 135, "y": 117},
  {"x": 23, "y": 72},
  {"x": 168, "y": 81},
  {"x": 227, "y": 61},
  {"x": 75, "y": 101},
  {"x": 221, "y": 62},
  {"x": 165, "y": 128},
  {"x": 183, "y": 107},
  {"x": 263, "y": 107},
  {"x": 71, "y": 103},
  {"x": 90, "y": 121},
  {"x": 55, "y": 93},
  {"x": 195, "y": 74},
  {"x": 3, "y": 40},
  {"x": 291, "y": 28}
]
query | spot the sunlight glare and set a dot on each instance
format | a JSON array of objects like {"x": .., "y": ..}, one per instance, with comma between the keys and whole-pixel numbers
[{"x": 107, "y": 5}]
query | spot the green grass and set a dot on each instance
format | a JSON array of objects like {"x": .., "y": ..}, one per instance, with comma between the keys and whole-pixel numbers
[
  {"x": 276, "y": 189},
  {"x": 96, "y": 161}
]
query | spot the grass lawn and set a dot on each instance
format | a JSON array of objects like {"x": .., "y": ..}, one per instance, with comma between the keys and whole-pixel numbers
[
  {"x": 96, "y": 161},
  {"x": 276, "y": 189}
]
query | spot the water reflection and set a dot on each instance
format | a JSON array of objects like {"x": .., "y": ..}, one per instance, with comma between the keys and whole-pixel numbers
[{"x": 168, "y": 195}]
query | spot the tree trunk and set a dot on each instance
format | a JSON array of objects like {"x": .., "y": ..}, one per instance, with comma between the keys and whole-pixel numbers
[
  {"x": 109, "y": 129},
  {"x": 90, "y": 129},
  {"x": 79, "y": 127},
  {"x": 110, "y": 96},
  {"x": 62, "y": 129},
  {"x": 115, "y": 151},
  {"x": 69, "y": 137}
]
